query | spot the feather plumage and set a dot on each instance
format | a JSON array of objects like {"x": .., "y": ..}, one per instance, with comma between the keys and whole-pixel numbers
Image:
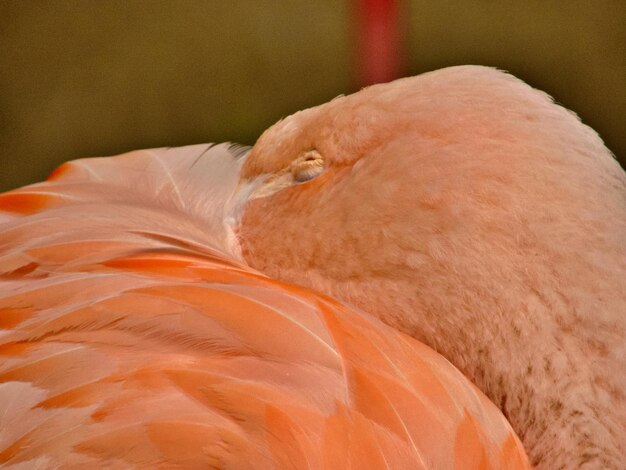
[{"x": 133, "y": 336}]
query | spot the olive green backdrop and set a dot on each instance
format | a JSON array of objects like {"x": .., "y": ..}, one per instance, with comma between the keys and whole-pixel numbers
[{"x": 87, "y": 78}]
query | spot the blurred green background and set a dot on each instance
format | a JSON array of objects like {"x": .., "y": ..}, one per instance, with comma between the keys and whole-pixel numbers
[{"x": 87, "y": 78}]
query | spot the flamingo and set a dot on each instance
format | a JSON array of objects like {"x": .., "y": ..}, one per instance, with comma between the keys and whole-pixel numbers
[{"x": 295, "y": 305}]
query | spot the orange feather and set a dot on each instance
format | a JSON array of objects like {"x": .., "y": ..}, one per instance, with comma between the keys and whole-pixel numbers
[{"x": 134, "y": 337}]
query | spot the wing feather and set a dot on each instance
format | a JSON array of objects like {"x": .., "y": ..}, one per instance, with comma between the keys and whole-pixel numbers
[{"x": 133, "y": 336}]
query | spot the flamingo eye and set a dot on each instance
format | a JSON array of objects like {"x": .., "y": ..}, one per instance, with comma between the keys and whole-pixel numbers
[{"x": 308, "y": 166}]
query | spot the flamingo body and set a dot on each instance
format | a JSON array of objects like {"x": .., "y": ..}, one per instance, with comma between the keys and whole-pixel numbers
[{"x": 133, "y": 336}]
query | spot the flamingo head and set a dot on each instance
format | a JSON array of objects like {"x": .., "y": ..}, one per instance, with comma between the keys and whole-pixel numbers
[{"x": 409, "y": 199}]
